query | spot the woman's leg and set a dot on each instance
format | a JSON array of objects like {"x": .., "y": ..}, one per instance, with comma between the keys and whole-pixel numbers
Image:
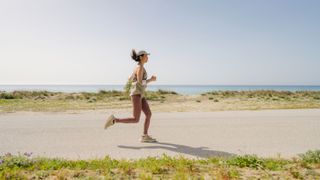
[
  {"x": 147, "y": 112},
  {"x": 136, "y": 102}
]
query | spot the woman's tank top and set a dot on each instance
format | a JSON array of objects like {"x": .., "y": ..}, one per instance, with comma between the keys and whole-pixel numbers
[
  {"x": 144, "y": 76},
  {"x": 136, "y": 87}
]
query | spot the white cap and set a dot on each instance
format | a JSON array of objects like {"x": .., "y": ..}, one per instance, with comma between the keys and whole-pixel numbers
[{"x": 142, "y": 53}]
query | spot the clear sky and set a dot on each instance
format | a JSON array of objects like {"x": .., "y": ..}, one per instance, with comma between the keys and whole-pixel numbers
[{"x": 226, "y": 42}]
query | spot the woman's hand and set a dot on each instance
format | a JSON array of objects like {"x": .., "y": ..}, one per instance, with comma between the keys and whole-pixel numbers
[{"x": 153, "y": 78}]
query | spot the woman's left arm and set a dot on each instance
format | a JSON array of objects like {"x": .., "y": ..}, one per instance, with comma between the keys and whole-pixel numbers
[{"x": 153, "y": 78}]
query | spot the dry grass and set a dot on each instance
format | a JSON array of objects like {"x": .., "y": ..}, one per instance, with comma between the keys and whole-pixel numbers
[{"x": 164, "y": 101}]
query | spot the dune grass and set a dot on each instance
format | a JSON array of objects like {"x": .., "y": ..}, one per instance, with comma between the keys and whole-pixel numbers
[
  {"x": 24, "y": 166},
  {"x": 58, "y": 101},
  {"x": 160, "y": 100},
  {"x": 265, "y": 95}
]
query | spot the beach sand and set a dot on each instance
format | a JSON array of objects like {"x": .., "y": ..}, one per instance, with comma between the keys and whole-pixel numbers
[{"x": 80, "y": 135}]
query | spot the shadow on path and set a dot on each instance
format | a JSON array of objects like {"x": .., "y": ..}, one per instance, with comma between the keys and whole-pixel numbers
[{"x": 202, "y": 152}]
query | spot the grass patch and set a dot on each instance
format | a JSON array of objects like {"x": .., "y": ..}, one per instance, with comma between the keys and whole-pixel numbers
[
  {"x": 252, "y": 161},
  {"x": 164, "y": 167},
  {"x": 58, "y": 101},
  {"x": 311, "y": 156},
  {"x": 265, "y": 94},
  {"x": 161, "y": 100}
]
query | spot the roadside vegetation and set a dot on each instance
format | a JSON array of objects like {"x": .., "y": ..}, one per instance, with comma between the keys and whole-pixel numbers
[
  {"x": 161, "y": 100},
  {"x": 25, "y": 166}
]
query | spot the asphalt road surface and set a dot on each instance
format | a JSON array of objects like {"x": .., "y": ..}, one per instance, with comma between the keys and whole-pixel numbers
[{"x": 267, "y": 133}]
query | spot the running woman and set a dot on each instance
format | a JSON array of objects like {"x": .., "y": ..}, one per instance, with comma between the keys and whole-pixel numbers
[{"x": 137, "y": 93}]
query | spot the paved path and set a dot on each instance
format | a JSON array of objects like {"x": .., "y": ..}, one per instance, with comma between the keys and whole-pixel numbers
[{"x": 194, "y": 134}]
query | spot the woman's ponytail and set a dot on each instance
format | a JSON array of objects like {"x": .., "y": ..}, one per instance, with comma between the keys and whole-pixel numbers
[{"x": 134, "y": 56}]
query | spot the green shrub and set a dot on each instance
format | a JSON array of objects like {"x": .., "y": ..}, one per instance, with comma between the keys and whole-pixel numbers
[
  {"x": 250, "y": 161},
  {"x": 316, "y": 98},
  {"x": 6, "y": 96},
  {"x": 311, "y": 156},
  {"x": 127, "y": 87},
  {"x": 160, "y": 91}
]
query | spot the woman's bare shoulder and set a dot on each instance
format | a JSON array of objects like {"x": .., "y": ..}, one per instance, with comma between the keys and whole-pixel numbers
[{"x": 138, "y": 68}]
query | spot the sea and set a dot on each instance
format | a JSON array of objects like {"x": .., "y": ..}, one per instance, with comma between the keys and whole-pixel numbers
[{"x": 181, "y": 89}]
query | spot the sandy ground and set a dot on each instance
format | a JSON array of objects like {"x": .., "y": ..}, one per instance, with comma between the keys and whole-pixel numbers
[{"x": 73, "y": 135}]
